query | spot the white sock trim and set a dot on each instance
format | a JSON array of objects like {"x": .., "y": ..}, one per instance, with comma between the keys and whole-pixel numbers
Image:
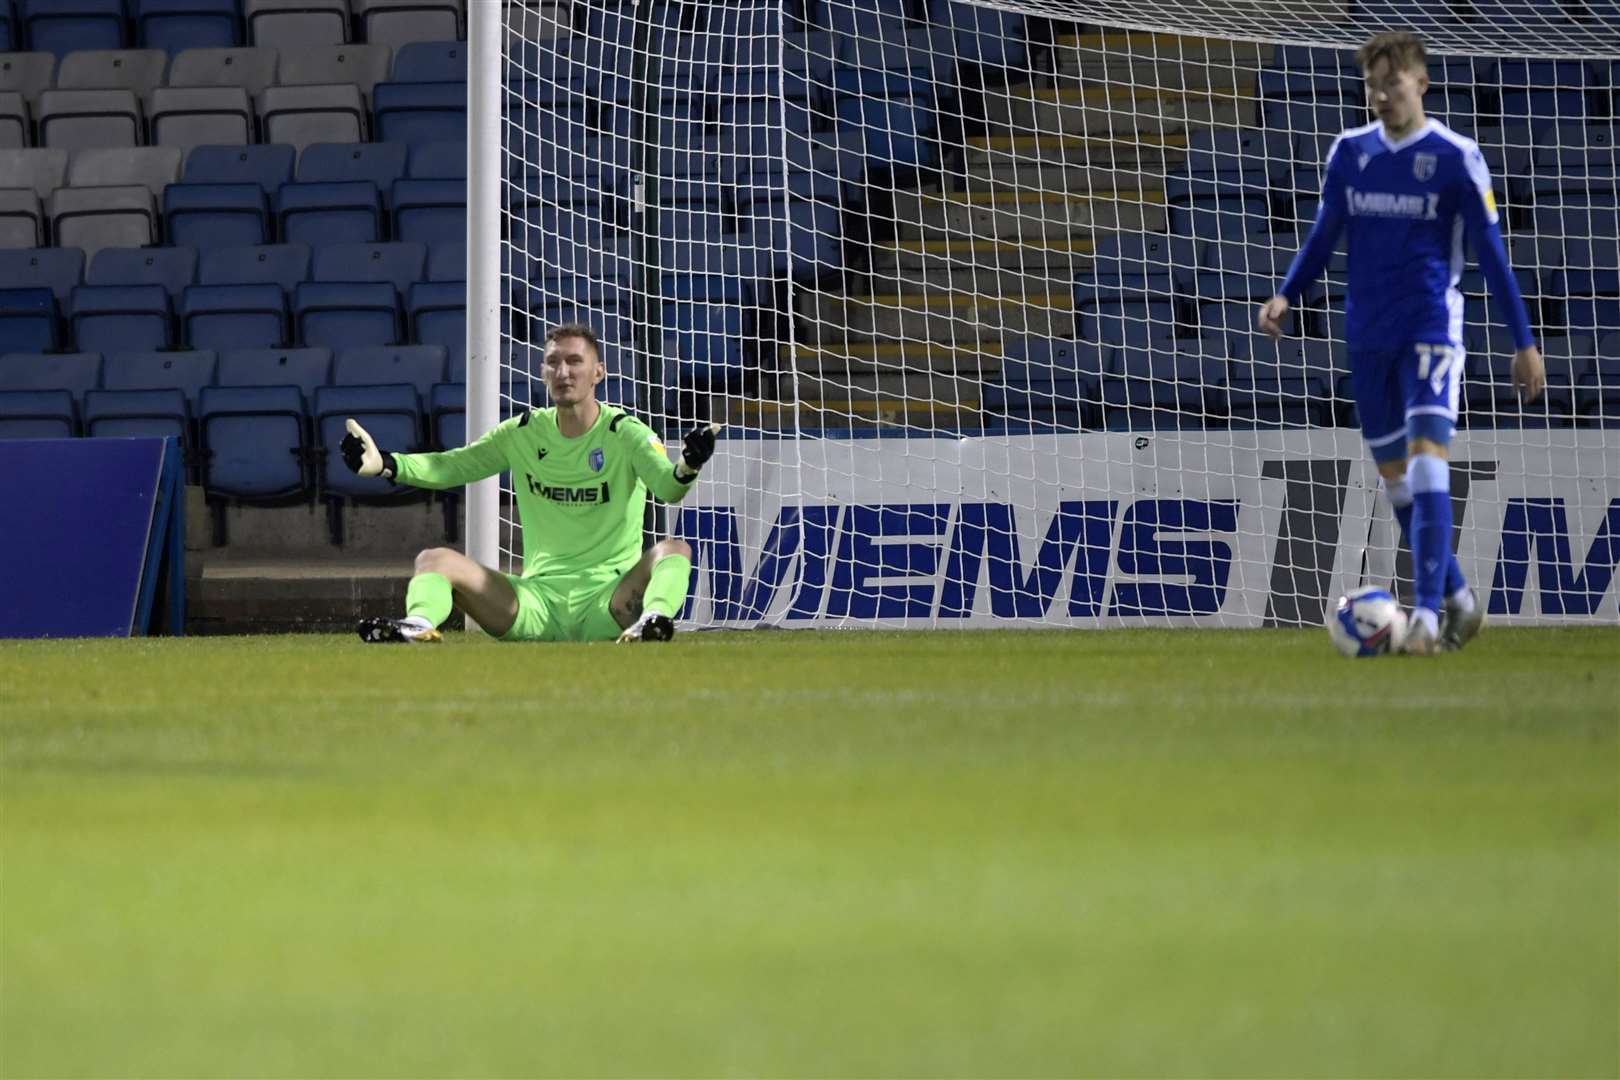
[
  {"x": 1426, "y": 473},
  {"x": 1397, "y": 491},
  {"x": 1428, "y": 618},
  {"x": 1463, "y": 600}
]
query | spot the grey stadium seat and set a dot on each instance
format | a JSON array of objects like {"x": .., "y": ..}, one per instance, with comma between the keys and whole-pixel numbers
[
  {"x": 27, "y": 73},
  {"x": 21, "y": 223},
  {"x": 251, "y": 69},
  {"x": 297, "y": 24},
  {"x": 140, "y": 70},
  {"x": 153, "y": 167},
  {"x": 82, "y": 119},
  {"x": 300, "y": 115},
  {"x": 363, "y": 65},
  {"x": 400, "y": 22},
  {"x": 188, "y": 116},
  {"x": 94, "y": 218},
  {"x": 15, "y": 128},
  {"x": 41, "y": 168}
]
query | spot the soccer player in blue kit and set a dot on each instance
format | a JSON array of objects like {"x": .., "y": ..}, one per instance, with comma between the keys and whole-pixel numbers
[{"x": 1405, "y": 188}]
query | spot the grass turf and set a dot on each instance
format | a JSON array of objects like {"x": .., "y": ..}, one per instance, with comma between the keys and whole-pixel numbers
[{"x": 1123, "y": 853}]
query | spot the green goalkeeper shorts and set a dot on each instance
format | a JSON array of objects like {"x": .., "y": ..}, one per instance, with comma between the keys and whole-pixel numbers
[{"x": 565, "y": 608}]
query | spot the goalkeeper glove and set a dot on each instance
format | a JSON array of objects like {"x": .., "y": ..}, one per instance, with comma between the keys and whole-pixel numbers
[
  {"x": 696, "y": 451},
  {"x": 361, "y": 455}
]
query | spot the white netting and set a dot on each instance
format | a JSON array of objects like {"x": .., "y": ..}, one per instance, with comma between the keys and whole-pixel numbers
[{"x": 951, "y": 274}]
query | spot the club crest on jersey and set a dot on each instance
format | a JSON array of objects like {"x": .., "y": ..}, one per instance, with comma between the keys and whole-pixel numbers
[
  {"x": 1423, "y": 165},
  {"x": 597, "y": 460}
]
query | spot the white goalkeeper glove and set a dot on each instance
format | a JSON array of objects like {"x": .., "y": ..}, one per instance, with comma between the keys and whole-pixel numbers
[{"x": 360, "y": 452}]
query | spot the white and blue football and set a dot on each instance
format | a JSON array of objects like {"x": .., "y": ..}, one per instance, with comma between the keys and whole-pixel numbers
[{"x": 1367, "y": 622}]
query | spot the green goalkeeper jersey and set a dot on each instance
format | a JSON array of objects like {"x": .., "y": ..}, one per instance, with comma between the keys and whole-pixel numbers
[{"x": 580, "y": 500}]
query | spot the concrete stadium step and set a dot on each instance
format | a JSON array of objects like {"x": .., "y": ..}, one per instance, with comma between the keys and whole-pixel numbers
[
  {"x": 1057, "y": 257},
  {"x": 1115, "y": 109},
  {"x": 1165, "y": 60},
  {"x": 939, "y": 274},
  {"x": 950, "y": 318},
  {"x": 1001, "y": 215},
  {"x": 1093, "y": 164},
  {"x": 1002, "y": 171},
  {"x": 891, "y": 358}
]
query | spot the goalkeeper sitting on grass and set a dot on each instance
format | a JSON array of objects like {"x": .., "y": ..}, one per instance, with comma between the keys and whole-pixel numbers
[{"x": 582, "y": 471}]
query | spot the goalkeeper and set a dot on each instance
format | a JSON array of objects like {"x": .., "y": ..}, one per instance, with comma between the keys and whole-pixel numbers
[{"x": 581, "y": 471}]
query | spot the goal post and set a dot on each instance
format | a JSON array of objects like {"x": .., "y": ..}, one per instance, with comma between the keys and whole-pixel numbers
[{"x": 972, "y": 287}]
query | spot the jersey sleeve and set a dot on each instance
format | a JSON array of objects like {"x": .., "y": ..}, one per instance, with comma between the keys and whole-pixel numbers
[
  {"x": 650, "y": 460},
  {"x": 485, "y": 456},
  {"x": 1324, "y": 235},
  {"x": 1477, "y": 204}
]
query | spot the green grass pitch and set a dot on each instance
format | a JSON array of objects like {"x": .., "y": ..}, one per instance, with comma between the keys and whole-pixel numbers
[{"x": 1135, "y": 853}]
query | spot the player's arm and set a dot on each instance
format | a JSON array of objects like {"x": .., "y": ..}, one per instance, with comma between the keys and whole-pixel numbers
[
  {"x": 1477, "y": 204},
  {"x": 647, "y": 457},
  {"x": 436, "y": 471},
  {"x": 1314, "y": 254}
]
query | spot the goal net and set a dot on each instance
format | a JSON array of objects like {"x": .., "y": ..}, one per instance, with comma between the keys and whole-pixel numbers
[{"x": 973, "y": 290}]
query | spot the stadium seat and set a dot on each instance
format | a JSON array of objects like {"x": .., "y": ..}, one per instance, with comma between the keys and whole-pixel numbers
[
  {"x": 1591, "y": 314},
  {"x": 108, "y": 317},
  {"x": 137, "y": 70},
  {"x": 94, "y": 218},
  {"x": 177, "y": 25},
  {"x": 254, "y": 440},
  {"x": 438, "y": 315},
  {"x": 447, "y": 415},
  {"x": 173, "y": 268},
  {"x": 1258, "y": 397},
  {"x": 282, "y": 265},
  {"x": 1597, "y": 391},
  {"x": 187, "y": 371},
  {"x": 90, "y": 119},
  {"x": 417, "y": 366},
  {"x": 16, "y": 125},
  {"x": 415, "y": 113},
  {"x": 27, "y": 73},
  {"x": 1233, "y": 270},
  {"x": 447, "y": 262},
  {"x": 305, "y": 369},
  {"x": 363, "y": 65},
  {"x": 151, "y": 167},
  {"x": 40, "y": 169},
  {"x": 268, "y": 166},
  {"x": 1590, "y": 267},
  {"x": 431, "y": 61},
  {"x": 399, "y": 263},
  {"x": 983, "y": 35},
  {"x": 390, "y": 413},
  {"x": 1126, "y": 319},
  {"x": 22, "y": 224},
  {"x": 223, "y": 317},
  {"x": 297, "y": 24},
  {"x": 216, "y": 215},
  {"x": 339, "y": 315},
  {"x": 329, "y": 213},
  {"x": 161, "y": 413},
  {"x": 446, "y": 160},
  {"x": 302, "y": 115},
  {"x": 251, "y": 69},
  {"x": 397, "y": 23},
  {"x": 429, "y": 211},
  {"x": 63, "y": 26},
  {"x": 36, "y": 414},
  {"x": 1162, "y": 389},
  {"x": 71, "y": 372},
  {"x": 802, "y": 238},
  {"x": 61, "y": 270},
  {"x": 380, "y": 163},
  {"x": 189, "y": 116},
  {"x": 28, "y": 321},
  {"x": 1126, "y": 262},
  {"x": 706, "y": 342},
  {"x": 1573, "y": 159}
]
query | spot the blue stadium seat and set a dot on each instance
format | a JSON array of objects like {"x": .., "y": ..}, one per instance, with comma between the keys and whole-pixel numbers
[
  {"x": 1258, "y": 397},
  {"x": 1138, "y": 263},
  {"x": 186, "y": 371},
  {"x": 444, "y": 160},
  {"x": 172, "y": 267},
  {"x": 1597, "y": 391},
  {"x": 58, "y": 269},
  {"x": 1162, "y": 389},
  {"x": 706, "y": 342},
  {"x": 380, "y": 163},
  {"x": 801, "y": 238},
  {"x": 1209, "y": 217},
  {"x": 1136, "y": 320},
  {"x": 234, "y": 316},
  {"x": 1300, "y": 71},
  {"x": 319, "y": 214},
  {"x": 416, "y": 113},
  {"x": 28, "y": 321},
  {"x": 1323, "y": 116},
  {"x": 390, "y": 413},
  {"x": 36, "y": 414},
  {"x": 108, "y": 317},
  {"x": 447, "y": 415},
  {"x": 59, "y": 380},
  {"x": 175, "y": 25},
  {"x": 284, "y": 265},
  {"x": 417, "y": 366},
  {"x": 429, "y": 211},
  {"x": 216, "y": 215},
  {"x": 898, "y": 134},
  {"x": 304, "y": 369},
  {"x": 338, "y": 315},
  {"x": 1049, "y": 381},
  {"x": 255, "y": 441},
  {"x": 63, "y": 26},
  {"x": 139, "y": 413},
  {"x": 1574, "y": 158},
  {"x": 447, "y": 262},
  {"x": 438, "y": 313},
  {"x": 398, "y": 263},
  {"x": 1231, "y": 270},
  {"x": 1598, "y": 315},
  {"x": 983, "y": 35},
  {"x": 1590, "y": 267},
  {"x": 268, "y": 165},
  {"x": 431, "y": 61}
]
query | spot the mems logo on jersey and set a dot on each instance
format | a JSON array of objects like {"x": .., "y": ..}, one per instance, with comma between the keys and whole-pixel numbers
[{"x": 1390, "y": 204}]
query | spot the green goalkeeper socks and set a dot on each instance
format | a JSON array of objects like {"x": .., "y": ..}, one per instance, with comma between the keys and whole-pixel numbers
[
  {"x": 666, "y": 589},
  {"x": 428, "y": 596}
]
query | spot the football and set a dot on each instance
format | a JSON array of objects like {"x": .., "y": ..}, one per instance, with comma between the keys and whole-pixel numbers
[{"x": 1367, "y": 622}]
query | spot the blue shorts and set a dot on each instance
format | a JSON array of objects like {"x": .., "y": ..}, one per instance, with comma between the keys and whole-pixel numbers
[{"x": 1407, "y": 393}]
